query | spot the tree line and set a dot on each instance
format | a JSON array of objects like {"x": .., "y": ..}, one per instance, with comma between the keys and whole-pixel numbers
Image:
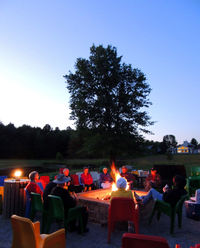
[{"x": 28, "y": 142}]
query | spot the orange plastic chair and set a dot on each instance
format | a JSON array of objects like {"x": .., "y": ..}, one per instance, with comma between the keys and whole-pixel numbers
[
  {"x": 46, "y": 179},
  {"x": 26, "y": 234},
  {"x": 122, "y": 209},
  {"x": 143, "y": 241},
  {"x": 76, "y": 180}
]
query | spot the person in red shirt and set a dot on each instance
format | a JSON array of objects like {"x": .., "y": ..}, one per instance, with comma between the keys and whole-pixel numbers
[
  {"x": 87, "y": 180},
  {"x": 32, "y": 186},
  {"x": 153, "y": 180}
]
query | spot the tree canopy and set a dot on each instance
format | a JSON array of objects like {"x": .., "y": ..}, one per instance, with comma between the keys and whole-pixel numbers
[
  {"x": 169, "y": 141},
  {"x": 107, "y": 101}
]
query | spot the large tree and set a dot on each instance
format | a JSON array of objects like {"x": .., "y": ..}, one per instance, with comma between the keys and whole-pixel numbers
[
  {"x": 168, "y": 141},
  {"x": 107, "y": 99}
]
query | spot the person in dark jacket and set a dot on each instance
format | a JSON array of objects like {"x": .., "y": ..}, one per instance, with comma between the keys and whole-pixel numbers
[
  {"x": 47, "y": 192},
  {"x": 105, "y": 179},
  {"x": 69, "y": 201},
  {"x": 171, "y": 196}
]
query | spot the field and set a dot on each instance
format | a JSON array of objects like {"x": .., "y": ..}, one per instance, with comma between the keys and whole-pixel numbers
[{"x": 141, "y": 163}]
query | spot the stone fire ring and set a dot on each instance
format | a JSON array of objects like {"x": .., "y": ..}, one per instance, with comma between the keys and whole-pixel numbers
[{"x": 98, "y": 208}]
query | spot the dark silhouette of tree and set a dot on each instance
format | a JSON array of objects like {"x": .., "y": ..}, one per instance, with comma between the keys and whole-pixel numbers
[
  {"x": 27, "y": 142},
  {"x": 194, "y": 141},
  {"x": 108, "y": 98},
  {"x": 168, "y": 141}
]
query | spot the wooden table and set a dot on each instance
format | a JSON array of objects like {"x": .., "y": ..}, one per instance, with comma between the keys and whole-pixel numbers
[{"x": 14, "y": 198}]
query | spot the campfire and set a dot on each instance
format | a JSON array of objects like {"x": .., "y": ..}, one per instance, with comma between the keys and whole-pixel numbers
[{"x": 116, "y": 176}]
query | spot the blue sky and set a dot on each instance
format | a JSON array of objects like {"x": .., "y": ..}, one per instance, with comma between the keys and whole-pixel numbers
[{"x": 41, "y": 40}]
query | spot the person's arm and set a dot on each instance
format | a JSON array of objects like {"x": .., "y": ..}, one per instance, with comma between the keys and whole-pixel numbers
[{"x": 158, "y": 179}]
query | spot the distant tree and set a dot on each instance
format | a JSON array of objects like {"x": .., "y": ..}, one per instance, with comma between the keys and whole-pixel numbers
[
  {"x": 169, "y": 155},
  {"x": 168, "y": 141},
  {"x": 59, "y": 156},
  {"x": 107, "y": 100},
  {"x": 194, "y": 141}
]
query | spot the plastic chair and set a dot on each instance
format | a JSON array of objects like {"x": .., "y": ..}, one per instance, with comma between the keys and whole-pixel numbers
[
  {"x": 41, "y": 184},
  {"x": 26, "y": 234},
  {"x": 79, "y": 177},
  {"x": 95, "y": 175},
  {"x": 56, "y": 211},
  {"x": 37, "y": 206},
  {"x": 122, "y": 209},
  {"x": 52, "y": 176},
  {"x": 76, "y": 179},
  {"x": 46, "y": 179},
  {"x": 143, "y": 241},
  {"x": 28, "y": 204},
  {"x": 193, "y": 182},
  {"x": 2, "y": 178},
  {"x": 196, "y": 246},
  {"x": 61, "y": 169},
  {"x": 164, "y": 207}
]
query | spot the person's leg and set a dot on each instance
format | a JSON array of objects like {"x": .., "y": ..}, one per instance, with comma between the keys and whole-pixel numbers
[
  {"x": 152, "y": 194},
  {"x": 85, "y": 220},
  {"x": 93, "y": 186}
]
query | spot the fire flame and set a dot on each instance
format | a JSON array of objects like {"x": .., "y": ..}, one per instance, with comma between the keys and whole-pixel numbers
[{"x": 117, "y": 176}]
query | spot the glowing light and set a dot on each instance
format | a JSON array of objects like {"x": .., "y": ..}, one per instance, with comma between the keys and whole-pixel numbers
[{"x": 17, "y": 175}]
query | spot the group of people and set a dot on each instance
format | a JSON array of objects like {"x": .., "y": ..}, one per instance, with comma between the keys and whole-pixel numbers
[
  {"x": 106, "y": 178},
  {"x": 63, "y": 186}
]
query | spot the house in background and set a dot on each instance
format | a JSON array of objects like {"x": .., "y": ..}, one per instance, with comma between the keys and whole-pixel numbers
[{"x": 185, "y": 148}]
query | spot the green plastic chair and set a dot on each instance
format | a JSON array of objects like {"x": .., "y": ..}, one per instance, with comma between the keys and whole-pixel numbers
[
  {"x": 53, "y": 175},
  {"x": 193, "y": 182},
  {"x": 56, "y": 211},
  {"x": 37, "y": 206},
  {"x": 163, "y": 207}
]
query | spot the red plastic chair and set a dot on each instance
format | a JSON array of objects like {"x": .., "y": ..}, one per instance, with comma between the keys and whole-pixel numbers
[
  {"x": 76, "y": 180},
  {"x": 41, "y": 181},
  {"x": 143, "y": 241},
  {"x": 122, "y": 209},
  {"x": 46, "y": 179},
  {"x": 61, "y": 170}
]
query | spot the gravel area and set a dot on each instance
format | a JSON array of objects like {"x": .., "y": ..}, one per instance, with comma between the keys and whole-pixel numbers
[{"x": 187, "y": 236}]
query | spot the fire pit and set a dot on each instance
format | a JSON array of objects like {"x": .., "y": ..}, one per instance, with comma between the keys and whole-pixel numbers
[{"x": 98, "y": 203}]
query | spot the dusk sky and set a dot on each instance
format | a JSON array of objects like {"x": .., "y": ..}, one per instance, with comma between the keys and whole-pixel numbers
[{"x": 41, "y": 40}]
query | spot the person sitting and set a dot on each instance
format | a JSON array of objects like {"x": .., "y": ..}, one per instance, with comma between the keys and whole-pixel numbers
[
  {"x": 32, "y": 186},
  {"x": 121, "y": 192},
  {"x": 129, "y": 177},
  {"x": 105, "y": 179},
  {"x": 171, "y": 196},
  {"x": 153, "y": 180},
  {"x": 47, "y": 192},
  {"x": 87, "y": 180},
  {"x": 69, "y": 201},
  {"x": 71, "y": 186}
]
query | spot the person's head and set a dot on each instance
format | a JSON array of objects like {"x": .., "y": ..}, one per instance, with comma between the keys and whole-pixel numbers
[
  {"x": 124, "y": 169},
  {"x": 105, "y": 170},
  {"x": 34, "y": 176},
  {"x": 121, "y": 183},
  {"x": 179, "y": 181},
  {"x": 66, "y": 172},
  {"x": 153, "y": 171},
  {"x": 85, "y": 170},
  {"x": 61, "y": 180}
]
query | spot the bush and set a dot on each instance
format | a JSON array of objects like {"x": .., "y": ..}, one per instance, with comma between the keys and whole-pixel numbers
[{"x": 59, "y": 156}]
